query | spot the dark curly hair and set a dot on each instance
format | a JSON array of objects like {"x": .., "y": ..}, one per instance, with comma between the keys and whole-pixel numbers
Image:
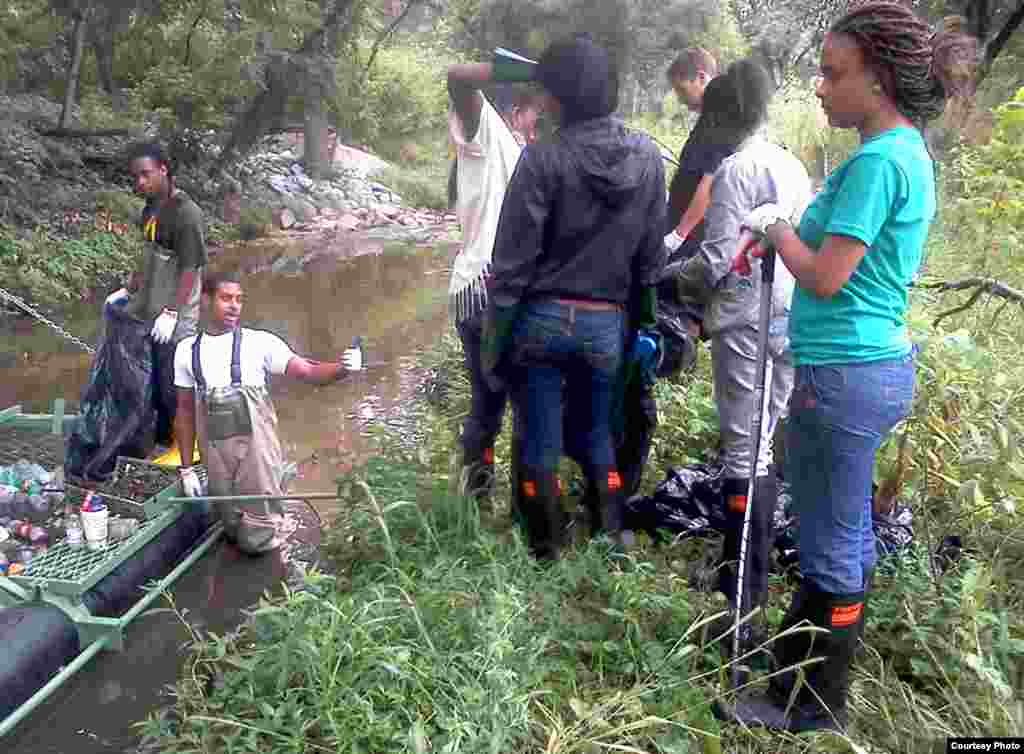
[
  {"x": 153, "y": 151},
  {"x": 917, "y": 68}
]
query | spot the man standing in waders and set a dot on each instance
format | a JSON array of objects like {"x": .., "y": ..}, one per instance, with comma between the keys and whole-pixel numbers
[
  {"x": 488, "y": 139},
  {"x": 222, "y": 378},
  {"x": 164, "y": 289}
]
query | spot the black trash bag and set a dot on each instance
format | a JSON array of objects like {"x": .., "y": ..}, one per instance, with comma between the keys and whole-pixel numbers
[
  {"x": 687, "y": 502},
  {"x": 893, "y": 532},
  {"x": 117, "y": 415},
  {"x": 678, "y": 347},
  {"x": 785, "y": 523}
]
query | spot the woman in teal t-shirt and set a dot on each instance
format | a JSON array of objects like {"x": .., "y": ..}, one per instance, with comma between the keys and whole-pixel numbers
[{"x": 854, "y": 254}]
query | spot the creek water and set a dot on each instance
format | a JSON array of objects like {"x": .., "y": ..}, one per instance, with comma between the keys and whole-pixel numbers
[{"x": 317, "y": 298}]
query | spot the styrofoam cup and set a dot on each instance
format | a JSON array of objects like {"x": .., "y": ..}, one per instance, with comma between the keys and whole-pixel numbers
[{"x": 95, "y": 528}]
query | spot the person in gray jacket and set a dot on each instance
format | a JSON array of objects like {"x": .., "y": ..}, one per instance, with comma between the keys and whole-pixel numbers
[{"x": 758, "y": 169}]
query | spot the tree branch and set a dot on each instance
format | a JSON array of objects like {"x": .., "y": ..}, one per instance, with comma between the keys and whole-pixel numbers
[
  {"x": 997, "y": 44},
  {"x": 188, "y": 39},
  {"x": 383, "y": 36},
  {"x": 980, "y": 285}
]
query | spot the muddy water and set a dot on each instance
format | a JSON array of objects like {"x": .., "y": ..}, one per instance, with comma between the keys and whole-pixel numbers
[{"x": 393, "y": 296}]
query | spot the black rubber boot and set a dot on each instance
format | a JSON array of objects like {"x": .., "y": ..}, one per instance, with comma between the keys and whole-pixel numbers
[
  {"x": 477, "y": 479},
  {"x": 755, "y": 575},
  {"x": 820, "y": 701},
  {"x": 540, "y": 506},
  {"x": 611, "y": 501}
]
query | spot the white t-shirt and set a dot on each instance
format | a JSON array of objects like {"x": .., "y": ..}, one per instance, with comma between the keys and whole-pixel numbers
[
  {"x": 262, "y": 355},
  {"x": 486, "y": 164}
]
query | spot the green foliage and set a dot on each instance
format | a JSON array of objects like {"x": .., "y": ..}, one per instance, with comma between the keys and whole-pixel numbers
[
  {"x": 796, "y": 120},
  {"x": 52, "y": 269},
  {"x": 124, "y": 206},
  {"x": 988, "y": 181},
  {"x": 426, "y": 186},
  {"x": 401, "y": 97}
]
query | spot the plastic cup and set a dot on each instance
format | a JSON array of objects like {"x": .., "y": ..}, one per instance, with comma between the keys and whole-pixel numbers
[{"x": 95, "y": 527}]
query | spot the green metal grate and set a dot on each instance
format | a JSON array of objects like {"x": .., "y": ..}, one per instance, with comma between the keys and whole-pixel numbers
[{"x": 74, "y": 570}]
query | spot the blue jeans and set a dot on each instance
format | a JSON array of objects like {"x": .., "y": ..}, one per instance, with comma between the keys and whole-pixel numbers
[
  {"x": 560, "y": 344},
  {"x": 839, "y": 415}
]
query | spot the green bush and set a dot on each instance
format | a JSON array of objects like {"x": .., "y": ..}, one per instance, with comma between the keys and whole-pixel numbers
[
  {"x": 50, "y": 269},
  {"x": 419, "y": 187},
  {"x": 402, "y": 97},
  {"x": 987, "y": 186}
]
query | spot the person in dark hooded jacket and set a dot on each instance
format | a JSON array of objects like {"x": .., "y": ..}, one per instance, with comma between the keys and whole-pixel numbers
[{"x": 578, "y": 252}]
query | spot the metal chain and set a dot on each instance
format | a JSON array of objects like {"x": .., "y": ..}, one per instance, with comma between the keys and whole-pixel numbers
[{"x": 8, "y": 296}]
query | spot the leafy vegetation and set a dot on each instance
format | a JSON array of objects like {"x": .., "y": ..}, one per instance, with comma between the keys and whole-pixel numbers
[{"x": 53, "y": 270}]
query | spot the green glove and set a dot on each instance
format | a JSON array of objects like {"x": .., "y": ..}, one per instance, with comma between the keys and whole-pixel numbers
[
  {"x": 508, "y": 67},
  {"x": 647, "y": 309},
  {"x": 495, "y": 341}
]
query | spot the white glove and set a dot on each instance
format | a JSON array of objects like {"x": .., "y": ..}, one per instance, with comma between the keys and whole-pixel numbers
[
  {"x": 673, "y": 240},
  {"x": 761, "y": 217},
  {"x": 352, "y": 359},
  {"x": 163, "y": 328},
  {"x": 190, "y": 482},
  {"x": 118, "y": 296}
]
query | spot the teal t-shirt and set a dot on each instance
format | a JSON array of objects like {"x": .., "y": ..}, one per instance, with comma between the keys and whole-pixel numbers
[{"x": 883, "y": 195}]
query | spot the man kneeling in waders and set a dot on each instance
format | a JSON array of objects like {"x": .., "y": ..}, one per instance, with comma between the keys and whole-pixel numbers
[{"x": 222, "y": 379}]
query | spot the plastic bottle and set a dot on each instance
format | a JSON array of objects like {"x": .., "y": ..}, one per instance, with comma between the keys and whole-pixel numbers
[
  {"x": 20, "y": 529},
  {"x": 73, "y": 531}
]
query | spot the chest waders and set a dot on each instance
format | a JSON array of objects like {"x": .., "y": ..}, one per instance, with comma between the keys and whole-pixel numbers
[
  {"x": 237, "y": 430},
  {"x": 159, "y": 272}
]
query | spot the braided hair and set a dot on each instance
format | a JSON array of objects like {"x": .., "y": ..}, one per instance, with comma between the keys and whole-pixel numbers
[{"x": 918, "y": 69}]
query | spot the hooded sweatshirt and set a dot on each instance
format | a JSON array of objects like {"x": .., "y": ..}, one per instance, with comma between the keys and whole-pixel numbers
[{"x": 583, "y": 217}]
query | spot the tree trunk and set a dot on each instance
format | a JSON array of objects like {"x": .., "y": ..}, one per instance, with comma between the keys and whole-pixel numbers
[
  {"x": 270, "y": 104},
  {"x": 71, "y": 87},
  {"x": 314, "y": 142},
  {"x": 101, "y": 38},
  {"x": 993, "y": 48},
  {"x": 233, "y": 16}
]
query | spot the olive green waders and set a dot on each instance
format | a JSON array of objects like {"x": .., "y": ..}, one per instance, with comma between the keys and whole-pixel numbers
[{"x": 159, "y": 272}]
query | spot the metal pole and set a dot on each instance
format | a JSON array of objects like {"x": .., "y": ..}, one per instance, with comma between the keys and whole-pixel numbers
[
  {"x": 52, "y": 685},
  {"x": 767, "y": 280},
  {"x": 253, "y": 498}
]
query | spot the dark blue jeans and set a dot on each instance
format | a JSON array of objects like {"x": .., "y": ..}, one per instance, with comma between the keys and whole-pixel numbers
[
  {"x": 558, "y": 345},
  {"x": 838, "y": 417},
  {"x": 487, "y": 406}
]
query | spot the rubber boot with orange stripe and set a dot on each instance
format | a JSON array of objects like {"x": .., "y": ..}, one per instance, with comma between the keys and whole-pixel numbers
[
  {"x": 755, "y": 587},
  {"x": 611, "y": 501},
  {"x": 819, "y": 701},
  {"x": 540, "y": 506}
]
